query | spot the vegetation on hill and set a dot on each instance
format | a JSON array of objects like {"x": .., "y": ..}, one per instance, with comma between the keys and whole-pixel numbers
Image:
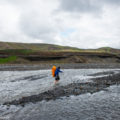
[
  {"x": 8, "y": 59},
  {"x": 28, "y": 48},
  {"x": 40, "y": 53},
  {"x": 35, "y": 47}
]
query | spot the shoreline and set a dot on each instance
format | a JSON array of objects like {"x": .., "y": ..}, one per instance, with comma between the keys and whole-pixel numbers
[{"x": 44, "y": 66}]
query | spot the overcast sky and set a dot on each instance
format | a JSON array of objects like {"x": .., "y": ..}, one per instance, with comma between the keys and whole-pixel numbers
[{"x": 78, "y": 23}]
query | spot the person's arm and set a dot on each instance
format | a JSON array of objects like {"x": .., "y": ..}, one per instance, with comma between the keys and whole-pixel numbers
[{"x": 60, "y": 71}]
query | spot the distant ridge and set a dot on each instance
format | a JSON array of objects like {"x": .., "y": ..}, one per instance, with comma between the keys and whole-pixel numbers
[
  {"x": 35, "y": 46},
  {"x": 52, "y": 47}
]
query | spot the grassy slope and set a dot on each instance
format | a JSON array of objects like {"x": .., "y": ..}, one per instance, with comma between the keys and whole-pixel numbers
[
  {"x": 14, "y": 50},
  {"x": 8, "y": 59},
  {"x": 38, "y": 47},
  {"x": 50, "y": 47}
]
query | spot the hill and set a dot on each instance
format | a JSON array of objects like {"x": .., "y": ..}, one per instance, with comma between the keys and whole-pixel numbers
[
  {"x": 36, "y": 47},
  {"x": 51, "y": 47},
  {"x": 21, "y": 53}
]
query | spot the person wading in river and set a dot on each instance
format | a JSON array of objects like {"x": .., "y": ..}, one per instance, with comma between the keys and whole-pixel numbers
[{"x": 57, "y": 78}]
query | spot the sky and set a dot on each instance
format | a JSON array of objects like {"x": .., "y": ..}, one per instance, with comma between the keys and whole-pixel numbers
[{"x": 77, "y": 23}]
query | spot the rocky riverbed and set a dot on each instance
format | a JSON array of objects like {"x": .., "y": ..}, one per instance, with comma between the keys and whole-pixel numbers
[
  {"x": 84, "y": 94},
  {"x": 98, "y": 84}
]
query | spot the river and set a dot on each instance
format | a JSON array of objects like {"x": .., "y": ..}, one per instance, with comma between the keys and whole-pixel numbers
[{"x": 102, "y": 105}]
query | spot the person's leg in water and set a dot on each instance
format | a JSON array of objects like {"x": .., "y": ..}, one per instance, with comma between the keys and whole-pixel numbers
[
  {"x": 57, "y": 78},
  {"x": 56, "y": 81}
]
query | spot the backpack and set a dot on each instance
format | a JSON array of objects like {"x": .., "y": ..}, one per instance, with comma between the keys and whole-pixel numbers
[{"x": 53, "y": 71}]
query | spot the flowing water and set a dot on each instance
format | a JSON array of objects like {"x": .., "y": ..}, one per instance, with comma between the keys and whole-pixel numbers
[{"x": 103, "y": 105}]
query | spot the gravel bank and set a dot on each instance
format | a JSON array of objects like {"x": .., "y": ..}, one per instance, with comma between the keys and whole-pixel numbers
[{"x": 63, "y": 66}]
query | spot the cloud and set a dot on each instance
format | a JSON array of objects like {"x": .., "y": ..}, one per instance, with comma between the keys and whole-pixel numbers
[
  {"x": 79, "y": 5},
  {"x": 111, "y": 1},
  {"x": 86, "y": 6},
  {"x": 34, "y": 20},
  {"x": 78, "y": 23},
  {"x": 36, "y": 26}
]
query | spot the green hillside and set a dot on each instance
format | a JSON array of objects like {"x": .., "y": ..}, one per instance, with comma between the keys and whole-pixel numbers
[
  {"x": 38, "y": 47},
  {"x": 30, "y": 47},
  {"x": 21, "y": 53}
]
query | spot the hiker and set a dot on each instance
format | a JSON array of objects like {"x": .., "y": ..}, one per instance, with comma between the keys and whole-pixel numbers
[{"x": 57, "y": 78}]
